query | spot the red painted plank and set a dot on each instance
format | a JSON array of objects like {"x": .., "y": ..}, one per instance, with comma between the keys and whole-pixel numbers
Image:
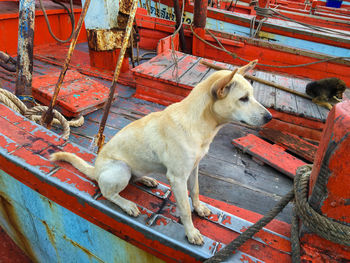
[
  {"x": 292, "y": 142},
  {"x": 183, "y": 66},
  {"x": 272, "y": 155},
  {"x": 78, "y": 94},
  {"x": 155, "y": 66},
  {"x": 171, "y": 88},
  {"x": 156, "y": 95},
  {"x": 198, "y": 72},
  {"x": 311, "y": 134}
]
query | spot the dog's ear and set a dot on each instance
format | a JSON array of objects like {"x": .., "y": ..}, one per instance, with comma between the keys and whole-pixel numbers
[
  {"x": 243, "y": 70},
  {"x": 220, "y": 88}
]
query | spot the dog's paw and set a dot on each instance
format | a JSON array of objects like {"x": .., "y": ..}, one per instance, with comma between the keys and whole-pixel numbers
[
  {"x": 131, "y": 209},
  {"x": 195, "y": 237},
  {"x": 148, "y": 181},
  {"x": 202, "y": 210}
]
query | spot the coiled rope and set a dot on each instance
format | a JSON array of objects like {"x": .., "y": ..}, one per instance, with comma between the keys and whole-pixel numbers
[
  {"x": 35, "y": 112},
  {"x": 317, "y": 223}
]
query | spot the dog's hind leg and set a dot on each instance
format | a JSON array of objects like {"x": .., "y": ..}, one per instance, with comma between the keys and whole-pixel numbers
[
  {"x": 201, "y": 209},
  {"x": 112, "y": 180}
]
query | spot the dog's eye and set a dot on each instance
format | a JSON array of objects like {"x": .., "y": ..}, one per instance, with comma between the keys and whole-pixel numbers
[{"x": 244, "y": 99}]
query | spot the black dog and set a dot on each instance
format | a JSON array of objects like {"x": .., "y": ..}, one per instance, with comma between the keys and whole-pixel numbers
[{"x": 326, "y": 92}]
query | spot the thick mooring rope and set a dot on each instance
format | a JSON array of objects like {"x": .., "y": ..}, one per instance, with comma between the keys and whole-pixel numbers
[
  {"x": 35, "y": 112},
  {"x": 319, "y": 224}
]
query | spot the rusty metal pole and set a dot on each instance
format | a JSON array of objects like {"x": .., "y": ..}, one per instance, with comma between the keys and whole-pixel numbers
[
  {"x": 99, "y": 136},
  {"x": 178, "y": 23},
  {"x": 200, "y": 13},
  {"x": 199, "y": 22},
  {"x": 48, "y": 115},
  {"x": 24, "y": 66}
]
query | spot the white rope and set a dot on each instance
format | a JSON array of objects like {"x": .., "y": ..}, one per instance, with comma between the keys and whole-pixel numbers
[{"x": 35, "y": 112}]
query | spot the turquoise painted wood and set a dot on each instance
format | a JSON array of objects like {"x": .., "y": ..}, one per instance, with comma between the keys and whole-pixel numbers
[{"x": 55, "y": 234}]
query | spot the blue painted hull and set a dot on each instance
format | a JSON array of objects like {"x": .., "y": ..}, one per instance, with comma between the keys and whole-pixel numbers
[{"x": 48, "y": 232}]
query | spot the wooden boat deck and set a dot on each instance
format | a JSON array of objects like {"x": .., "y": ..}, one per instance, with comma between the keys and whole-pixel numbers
[
  {"x": 226, "y": 173},
  {"x": 162, "y": 70}
]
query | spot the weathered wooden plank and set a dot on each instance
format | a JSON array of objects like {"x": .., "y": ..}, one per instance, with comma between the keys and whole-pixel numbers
[
  {"x": 291, "y": 142},
  {"x": 176, "y": 72},
  {"x": 265, "y": 94},
  {"x": 306, "y": 108},
  {"x": 272, "y": 155},
  {"x": 78, "y": 94},
  {"x": 195, "y": 75},
  {"x": 285, "y": 101},
  {"x": 251, "y": 179},
  {"x": 135, "y": 106},
  {"x": 157, "y": 65}
]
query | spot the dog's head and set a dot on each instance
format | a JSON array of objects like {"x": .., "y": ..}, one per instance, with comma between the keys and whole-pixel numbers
[
  {"x": 341, "y": 87},
  {"x": 234, "y": 100}
]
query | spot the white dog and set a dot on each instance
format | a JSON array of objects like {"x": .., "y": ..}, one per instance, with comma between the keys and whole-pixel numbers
[{"x": 173, "y": 142}]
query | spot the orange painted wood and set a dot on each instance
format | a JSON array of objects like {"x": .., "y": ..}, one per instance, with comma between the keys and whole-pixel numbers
[
  {"x": 329, "y": 184},
  {"x": 167, "y": 43},
  {"x": 157, "y": 65},
  {"x": 291, "y": 142},
  {"x": 296, "y": 120},
  {"x": 56, "y": 54},
  {"x": 253, "y": 51},
  {"x": 177, "y": 71},
  {"x": 78, "y": 95},
  {"x": 197, "y": 73},
  {"x": 304, "y": 132},
  {"x": 108, "y": 60},
  {"x": 59, "y": 21},
  {"x": 270, "y": 154}
]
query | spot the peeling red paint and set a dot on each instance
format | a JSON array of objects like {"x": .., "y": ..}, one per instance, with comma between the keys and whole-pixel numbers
[
  {"x": 50, "y": 138},
  {"x": 9, "y": 115},
  {"x": 14, "y": 133},
  {"x": 70, "y": 178},
  {"x": 5, "y": 144},
  {"x": 246, "y": 259},
  {"x": 227, "y": 220},
  {"x": 158, "y": 192},
  {"x": 270, "y": 154},
  {"x": 37, "y": 146},
  {"x": 145, "y": 212},
  {"x": 161, "y": 221},
  {"x": 26, "y": 125},
  {"x": 34, "y": 160},
  {"x": 219, "y": 247},
  {"x": 214, "y": 217},
  {"x": 87, "y": 156}
]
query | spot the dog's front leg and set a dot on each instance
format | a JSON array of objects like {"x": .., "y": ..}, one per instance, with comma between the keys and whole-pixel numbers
[
  {"x": 179, "y": 188},
  {"x": 201, "y": 209}
]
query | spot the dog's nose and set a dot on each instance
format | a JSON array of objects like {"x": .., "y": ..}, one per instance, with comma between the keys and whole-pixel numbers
[{"x": 267, "y": 117}]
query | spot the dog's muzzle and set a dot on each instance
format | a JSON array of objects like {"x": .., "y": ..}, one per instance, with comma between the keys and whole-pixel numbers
[{"x": 267, "y": 117}]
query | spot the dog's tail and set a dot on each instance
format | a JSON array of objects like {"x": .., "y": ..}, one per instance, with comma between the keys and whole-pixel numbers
[{"x": 76, "y": 161}]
